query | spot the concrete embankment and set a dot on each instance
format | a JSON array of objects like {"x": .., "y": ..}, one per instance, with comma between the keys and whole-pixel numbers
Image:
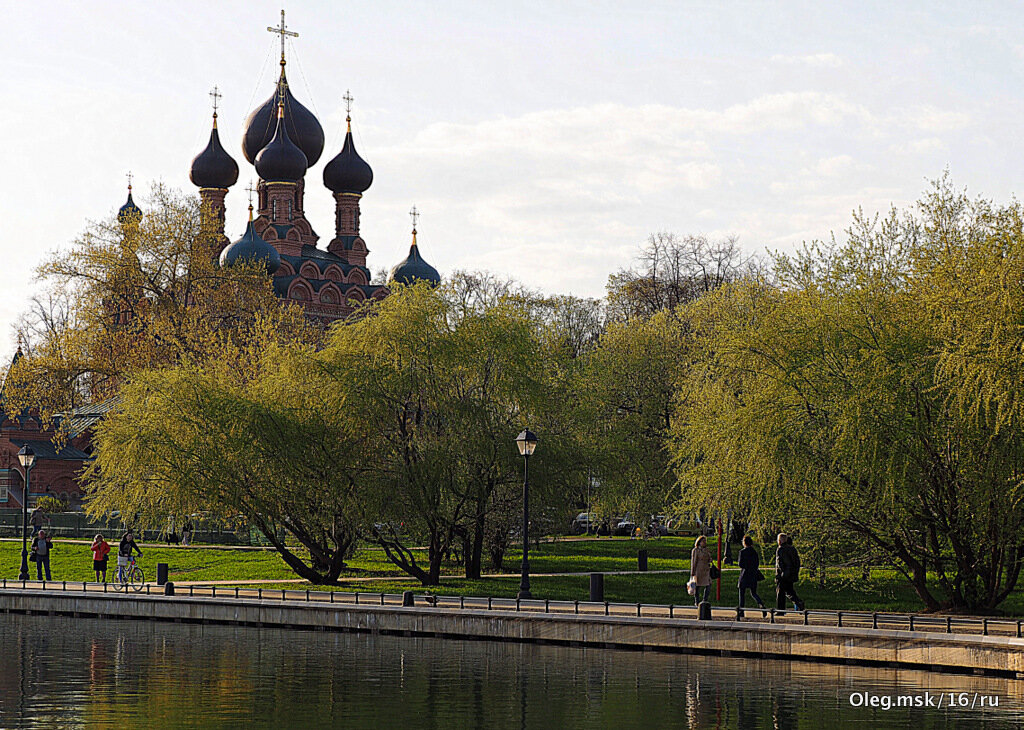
[{"x": 996, "y": 655}]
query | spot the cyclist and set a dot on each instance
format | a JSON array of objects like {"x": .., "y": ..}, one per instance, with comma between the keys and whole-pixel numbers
[{"x": 124, "y": 552}]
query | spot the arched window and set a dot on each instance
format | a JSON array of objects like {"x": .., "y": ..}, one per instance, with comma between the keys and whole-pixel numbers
[
  {"x": 309, "y": 271},
  {"x": 333, "y": 273},
  {"x": 327, "y": 296},
  {"x": 300, "y": 292}
]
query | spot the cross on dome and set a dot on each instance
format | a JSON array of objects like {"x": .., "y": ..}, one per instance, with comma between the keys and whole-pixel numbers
[
  {"x": 415, "y": 215},
  {"x": 216, "y": 96},
  {"x": 283, "y": 32},
  {"x": 129, "y": 176}
]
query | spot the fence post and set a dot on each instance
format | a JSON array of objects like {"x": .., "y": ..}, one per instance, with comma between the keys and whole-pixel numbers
[
  {"x": 462, "y": 602},
  {"x": 576, "y": 609},
  {"x": 517, "y": 604},
  {"x": 236, "y": 591},
  {"x": 984, "y": 626},
  {"x": 283, "y": 596},
  {"x": 638, "y": 610},
  {"x": 606, "y": 608},
  {"x": 772, "y": 613},
  {"x": 488, "y": 603},
  {"x": 806, "y": 614},
  {"x": 949, "y": 624},
  {"x": 381, "y": 597},
  {"x": 307, "y": 595},
  {"x": 357, "y": 598},
  {"x": 671, "y": 610},
  {"x": 259, "y": 594},
  {"x": 911, "y": 622},
  {"x": 874, "y": 620}
]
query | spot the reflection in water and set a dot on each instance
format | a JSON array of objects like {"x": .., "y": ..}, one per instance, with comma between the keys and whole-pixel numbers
[{"x": 63, "y": 672}]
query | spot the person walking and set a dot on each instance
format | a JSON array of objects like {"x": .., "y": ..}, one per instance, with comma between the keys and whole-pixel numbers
[
  {"x": 38, "y": 520},
  {"x": 787, "y": 573},
  {"x": 700, "y": 568},
  {"x": 100, "y": 551},
  {"x": 186, "y": 532},
  {"x": 41, "y": 545},
  {"x": 124, "y": 551},
  {"x": 750, "y": 572}
]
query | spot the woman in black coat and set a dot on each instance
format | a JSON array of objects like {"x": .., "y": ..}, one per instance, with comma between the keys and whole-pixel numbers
[{"x": 750, "y": 571}]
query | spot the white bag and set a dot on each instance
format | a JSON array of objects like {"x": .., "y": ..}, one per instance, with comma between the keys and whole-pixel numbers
[{"x": 691, "y": 586}]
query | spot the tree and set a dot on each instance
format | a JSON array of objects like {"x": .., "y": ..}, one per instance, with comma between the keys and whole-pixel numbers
[
  {"x": 439, "y": 390},
  {"x": 128, "y": 296},
  {"x": 273, "y": 447},
  {"x": 674, "y": 271},
  {"x": 862, "y": 395},
  {"x": 629, "y": 385}
]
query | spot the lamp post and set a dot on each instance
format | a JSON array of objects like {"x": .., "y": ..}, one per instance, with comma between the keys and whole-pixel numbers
[
  {"x": 27, "y": 457},
  {"x": 527, "y": 442}
]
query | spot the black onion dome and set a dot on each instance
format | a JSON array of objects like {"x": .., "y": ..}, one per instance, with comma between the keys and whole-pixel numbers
[
  {"x": 348, "y": 172},
  {"x": 251, "y": 247},
  {"x": 303, "y": 128},
  {"x": 414, "y": 268},
  {"x": 129, "y": 211},
  {"x": 281, "y": 160},
  {"x": 213, "y": 167}
]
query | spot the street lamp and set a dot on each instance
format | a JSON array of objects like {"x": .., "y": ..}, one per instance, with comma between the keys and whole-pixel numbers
[
  {"x": 27, "y": 457},
  {"x": 527, "y": 442}
]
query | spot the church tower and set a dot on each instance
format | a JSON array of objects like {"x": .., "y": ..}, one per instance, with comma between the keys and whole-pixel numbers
[{"x": 213, "y": 171}]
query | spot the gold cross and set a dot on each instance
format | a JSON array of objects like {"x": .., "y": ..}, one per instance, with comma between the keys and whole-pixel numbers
[
  {"x": 129, "y": 181},
  {"x": 250, "y": 190},
  {"x": 215, "y": 95},
  {"x": 348, "y": 101},
  {"x": 282, "y": 31},
  {"x": 415, "y": 215}
]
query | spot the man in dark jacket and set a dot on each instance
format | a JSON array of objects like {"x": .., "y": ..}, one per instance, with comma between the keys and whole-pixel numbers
[
  {"x": 787, "y": 572},
  {"x": 750, "y": 571}
]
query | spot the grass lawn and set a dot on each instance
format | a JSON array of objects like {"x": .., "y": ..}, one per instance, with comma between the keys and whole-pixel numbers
[{"x": 886, "y": 590}]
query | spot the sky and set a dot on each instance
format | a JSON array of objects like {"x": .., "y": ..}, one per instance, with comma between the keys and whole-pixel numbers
[{"x": 539, "y": 140}]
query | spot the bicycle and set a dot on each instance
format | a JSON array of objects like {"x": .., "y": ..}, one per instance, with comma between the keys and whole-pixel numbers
[{"x": 131, "y": 575}]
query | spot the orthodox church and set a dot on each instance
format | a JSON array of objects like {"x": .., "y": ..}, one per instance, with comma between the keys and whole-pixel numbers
[{"x": 282, "y": 139}]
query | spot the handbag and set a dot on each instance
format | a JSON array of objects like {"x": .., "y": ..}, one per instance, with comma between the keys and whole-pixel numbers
[
  {"x": 691, "y": 586},
  {"x": 33, "y": 556},
  {"x": 759, "y": 576},
  {"x": 715, "y": 572}
]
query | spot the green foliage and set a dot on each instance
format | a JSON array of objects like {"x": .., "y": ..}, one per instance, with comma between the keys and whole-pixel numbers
[
  {"x": 438, "y": 390},
  {"x": 858, "y": 396},
  {"x": 51, "y": 504}
]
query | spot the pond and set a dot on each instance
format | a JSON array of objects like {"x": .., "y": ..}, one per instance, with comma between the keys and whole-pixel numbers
[{"x": 66, "y": 672}]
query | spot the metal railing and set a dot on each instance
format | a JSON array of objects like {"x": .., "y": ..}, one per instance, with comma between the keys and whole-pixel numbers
[{"x": 879, "y": 620}]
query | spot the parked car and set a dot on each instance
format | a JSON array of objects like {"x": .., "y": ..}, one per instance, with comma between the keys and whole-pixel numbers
[
  {"x": 585, "y": 522},
  {"x": 624, "y": 527}
]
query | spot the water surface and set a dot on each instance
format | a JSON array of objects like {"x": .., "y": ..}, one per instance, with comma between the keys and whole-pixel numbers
[{"x": 60, "y": 672}]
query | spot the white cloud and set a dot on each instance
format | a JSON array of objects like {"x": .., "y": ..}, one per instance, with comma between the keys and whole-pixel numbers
[{"x": 817, "y": 60}]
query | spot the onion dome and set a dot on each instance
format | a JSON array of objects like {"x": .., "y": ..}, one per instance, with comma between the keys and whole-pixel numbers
[
  {"x": 348, "y": 172},
  {"x": 281, "y": 160},
  {"x": 213, "y": 167},
  {"x": 303, "y": 128},
  {"x": 129, "y": 212},
  {"x": 414, "y": 268},
  {"x": 249, "y": 248}
]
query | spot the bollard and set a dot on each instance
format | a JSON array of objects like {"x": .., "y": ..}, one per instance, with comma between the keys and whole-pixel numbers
[
  {"x": 168, "y": 588},
  {"x": 596, "y": 587},
  {"x": 407, "y": 598},
  {"x": 641, "y": 560},
  {"x": 704, "y": 611},
  {"x": 161, "y": 573}
]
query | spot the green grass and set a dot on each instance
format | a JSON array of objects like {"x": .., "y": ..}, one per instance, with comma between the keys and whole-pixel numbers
[{"x": 886, "y": 590}]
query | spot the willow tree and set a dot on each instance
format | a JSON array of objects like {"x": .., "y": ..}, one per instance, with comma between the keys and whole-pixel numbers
[
  {"x": 439, "y": 391},
  {"x": 861, "y": 397},
  {"x": 273, "y": 447}
]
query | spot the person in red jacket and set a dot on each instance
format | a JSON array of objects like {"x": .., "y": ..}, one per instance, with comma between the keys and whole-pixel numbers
[{"x": 100, "y": 551}]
